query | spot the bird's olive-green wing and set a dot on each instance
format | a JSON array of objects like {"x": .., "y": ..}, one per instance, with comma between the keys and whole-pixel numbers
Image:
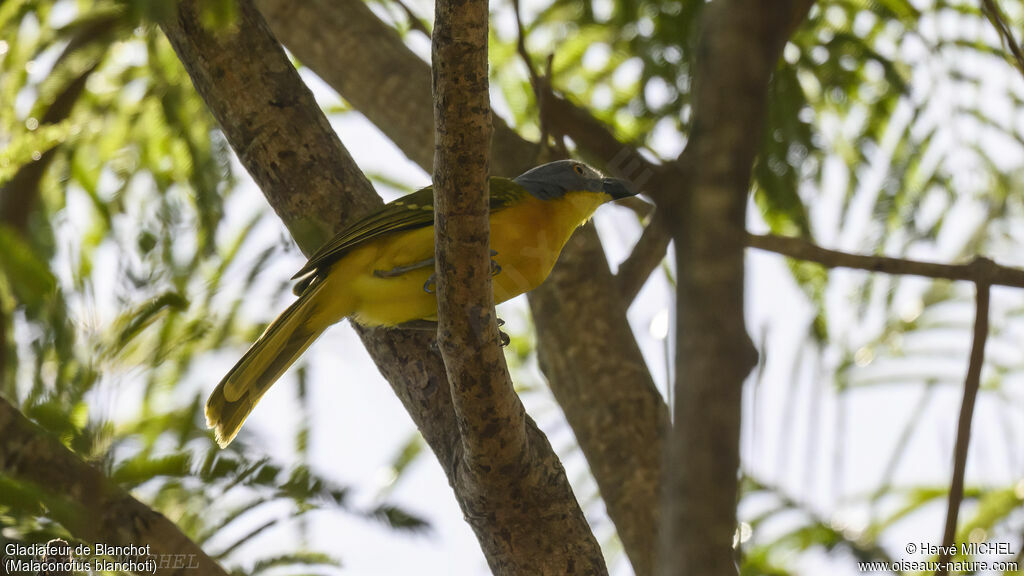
[{"x": 412, "y": 211}]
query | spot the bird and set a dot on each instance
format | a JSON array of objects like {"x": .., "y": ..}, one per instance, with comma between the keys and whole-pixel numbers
[{"x": 379, "y": 271}]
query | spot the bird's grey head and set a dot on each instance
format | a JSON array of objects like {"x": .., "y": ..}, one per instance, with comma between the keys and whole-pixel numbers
[{"x": 552, "y": 180}]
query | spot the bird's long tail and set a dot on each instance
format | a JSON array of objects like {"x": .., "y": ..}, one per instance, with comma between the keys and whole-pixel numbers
[{"x": 281, "y": 344}]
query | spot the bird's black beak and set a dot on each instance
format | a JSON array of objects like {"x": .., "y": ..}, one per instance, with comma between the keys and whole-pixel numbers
[{"x": 617, "y": 188}]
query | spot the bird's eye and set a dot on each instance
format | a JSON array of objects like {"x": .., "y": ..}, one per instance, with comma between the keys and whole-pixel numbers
[{"x": 578, "y": 168}]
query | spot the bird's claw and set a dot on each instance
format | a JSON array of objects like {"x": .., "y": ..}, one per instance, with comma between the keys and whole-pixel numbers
[
  {"x": 503, "y": 338},
  {"x": 495, "y": 267},
  {"x": 431, "y": 284}
]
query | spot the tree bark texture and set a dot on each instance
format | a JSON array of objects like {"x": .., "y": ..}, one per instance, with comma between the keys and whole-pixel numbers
[
  {"x": 621, "y": 443},
  {"x": 486, "y": 405}
]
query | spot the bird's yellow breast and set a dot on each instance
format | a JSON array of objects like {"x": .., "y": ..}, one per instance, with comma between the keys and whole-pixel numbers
[{"x": 528, "y": 237}]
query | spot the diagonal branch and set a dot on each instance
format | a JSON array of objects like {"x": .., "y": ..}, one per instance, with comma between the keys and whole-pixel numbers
[
  {"x": 272, "y": 121},
  {"x": 93, "y": 509},
  {"x": 995, "y": 15},
  {"x": 622, "y": 424},
  {"x": 366, "y": 61},
  {"x": 597, "y": 144},
  {"x": 647, "y": 254}
]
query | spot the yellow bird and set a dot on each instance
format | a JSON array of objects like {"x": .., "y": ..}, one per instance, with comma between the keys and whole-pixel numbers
[{"x": 379, "y": 271}]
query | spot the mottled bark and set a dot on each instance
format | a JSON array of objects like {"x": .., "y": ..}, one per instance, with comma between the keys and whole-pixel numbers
[
  {"x": 282, "y": 138},
  {"x": 366, "y": 61},
  {"x": 87, "y": 503},
  {"x": 738, "y": 49},
  {"x": 489, "y": 413}
]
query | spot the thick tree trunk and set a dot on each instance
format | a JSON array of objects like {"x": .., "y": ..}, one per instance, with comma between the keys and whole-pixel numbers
[{"x": 740, "y": 44}]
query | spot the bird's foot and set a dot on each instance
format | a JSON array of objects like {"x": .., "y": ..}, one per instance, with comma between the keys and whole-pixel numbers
[
  {"x": 495, "y": 267},
  {"x": 503, "y": 338},
  {"x": 431, "y": 284}
]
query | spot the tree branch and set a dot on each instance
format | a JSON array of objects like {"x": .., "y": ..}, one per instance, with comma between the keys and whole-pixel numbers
[
  {"x": 272, "y": 121},
  {"x": 984, "y": 273},
  {"x": 995, "y": 15},
  {"x": 647, "y": 254},
  {"x": 95, "y": 509},
  {"x": 650, "y": 250},
  {"x": 738, "y": 49},
  {"x": 490, "y": 415},
  {"x": 622, "y": 440},
  {"x": 367, "y": 63},
  {"x": 501, "y": 476},
  {"x": 365, "y": 60},
  {"x": 274, "y": 124},
  {"x": 598, "y": 145},
  {"x": 972, "y": 383},
  {"x": 980, "y": 270}
]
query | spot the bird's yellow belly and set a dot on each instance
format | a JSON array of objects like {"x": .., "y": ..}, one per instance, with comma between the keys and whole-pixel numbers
[{"x": 528, "y": 240}]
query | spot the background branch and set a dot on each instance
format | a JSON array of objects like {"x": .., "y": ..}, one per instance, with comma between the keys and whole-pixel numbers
[
  {"x": 984, "y": 273},
  {"x": 647, "y": 254},
  {"x": 86, "y": 502},
  {"x": 972, "y": 383},
  {"x": 995, "y": 15},
  {"x": 623, "y": 440},
  {"x": 366, "y": 61},
  {"x": 979, "y": 270},
  {"x": 739, "y": 46}
]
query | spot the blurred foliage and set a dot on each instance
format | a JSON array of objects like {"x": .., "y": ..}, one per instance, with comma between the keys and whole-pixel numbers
[
  {"x": 893, "y": 127},
  {"x": 119, "y": 273}
]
